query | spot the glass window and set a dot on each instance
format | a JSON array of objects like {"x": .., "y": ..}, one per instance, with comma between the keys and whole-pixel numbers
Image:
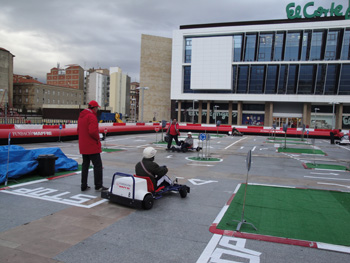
[
  {"x": 237, "y": 48},
  {"x": 346, "y": 46},
  {"x": 256, "y": 84},
  {"x": 292, "y": 47},
  {"x": 316, "y": 45},
  {"x": 187, "y": 78},
  {"x": 344, "y": 84},
  {"x": 265, "y": 47},
  {"x": 321, "y": 75},
  {"x": 292, "y": 79},
  {"x": 278, "y": 50},
  {"x": 306, "y": 79},
  {"x": 331, "y": 79},
  {"x": 305, "y": 46},
  {"x": 282, "y": 79},
  {"x": 331, "y": 45},
  {"x": 242, "y": 79},
  {"x": 188, "y": 50},
  {"x": 271, "y": 80},
  {"x": 234, "y": 79},
  {"x": 250, "y": 48}
]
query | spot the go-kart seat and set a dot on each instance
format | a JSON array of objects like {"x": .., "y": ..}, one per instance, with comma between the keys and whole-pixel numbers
[{"x": 150, "y": 186}]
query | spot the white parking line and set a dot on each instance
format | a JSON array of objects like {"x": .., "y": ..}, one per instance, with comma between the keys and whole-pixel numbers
[
  {"x": 341, "y": 185},
  {"x": 327, "y": 178}
]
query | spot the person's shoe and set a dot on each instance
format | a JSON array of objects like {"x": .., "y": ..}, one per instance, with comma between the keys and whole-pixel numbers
[
  {"x": 84, "y": 188},
  {"x": 100, "y": 189}
]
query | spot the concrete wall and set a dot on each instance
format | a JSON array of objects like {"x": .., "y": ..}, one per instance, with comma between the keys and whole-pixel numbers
[
  {"x": 155, "y": 73},
  {"x": 6, "y": 75}
]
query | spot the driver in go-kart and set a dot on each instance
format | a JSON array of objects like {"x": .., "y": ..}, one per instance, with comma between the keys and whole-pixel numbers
[
  {"x": 188, "y": 142},
  {"x": 149, "y": 168}
]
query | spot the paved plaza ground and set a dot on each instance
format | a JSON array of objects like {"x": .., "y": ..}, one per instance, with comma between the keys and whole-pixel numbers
[{"x": 53, "y": 221}]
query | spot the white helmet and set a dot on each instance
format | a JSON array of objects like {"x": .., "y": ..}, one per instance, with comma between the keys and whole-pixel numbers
[
  {"x": 149, "y": 152},
  {"x": 189, "y": 133}
]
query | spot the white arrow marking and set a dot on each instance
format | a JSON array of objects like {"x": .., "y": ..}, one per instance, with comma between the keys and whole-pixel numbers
[
  {"x": 200, "y": 182},
  {"x": 241, "y": 147},
  {"x": 263, "y": 149},
  {"x": 253, "y": 148},
  {"x": 169, "y": 156}
]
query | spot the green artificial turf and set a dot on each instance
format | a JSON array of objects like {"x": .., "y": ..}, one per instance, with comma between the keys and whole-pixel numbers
[
  {"x": 204, "y": 159},
  {"x": 302, "y": 214},
  {"x": 300, "y": 150},
  {"x": 326, "y": 166},
  {"x": 288, "y": 139},
  {"x": 111, "y": 150}
]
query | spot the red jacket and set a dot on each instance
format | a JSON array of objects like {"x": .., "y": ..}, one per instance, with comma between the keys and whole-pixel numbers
[
  {"x": 88, "y": 132},
  {"x": 173, "y": 129}
]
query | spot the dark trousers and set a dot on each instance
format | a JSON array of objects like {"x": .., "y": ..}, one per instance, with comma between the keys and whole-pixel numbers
[
  {"x": 171, "y": 137},
  {"x": 185, "y": 145},
  {"x": 97, "y": 163}
]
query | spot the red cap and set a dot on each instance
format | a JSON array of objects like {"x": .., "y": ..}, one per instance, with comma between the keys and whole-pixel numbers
[{"x": 94, "y": 103}]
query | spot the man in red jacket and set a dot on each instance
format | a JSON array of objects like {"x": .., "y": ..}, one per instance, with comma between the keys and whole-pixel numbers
[
  {"x": 90, "y": 146},
  {"x": 173, "y": 132}
]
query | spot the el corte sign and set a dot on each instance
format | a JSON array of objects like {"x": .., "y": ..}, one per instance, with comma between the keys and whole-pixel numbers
[{"x": 294, "y": 11}]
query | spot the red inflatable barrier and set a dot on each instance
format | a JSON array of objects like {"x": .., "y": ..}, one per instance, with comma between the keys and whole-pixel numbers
[{"x": 7, "y": 126}]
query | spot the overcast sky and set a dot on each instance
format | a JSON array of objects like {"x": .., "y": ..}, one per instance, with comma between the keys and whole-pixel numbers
[{"x": 107, "y": 33}]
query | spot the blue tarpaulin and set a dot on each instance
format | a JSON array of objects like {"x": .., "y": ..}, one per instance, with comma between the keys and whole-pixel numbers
[{"x": 22, "y": 161}]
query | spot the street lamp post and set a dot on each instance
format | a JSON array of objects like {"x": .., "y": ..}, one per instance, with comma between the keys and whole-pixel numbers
[
  {"x": 193, "y": 111},
  {"x": 333, "y": 123},
  {"x": 316, "y": 109},
  {"x": 215, "y": 109},
  {"x": 143, "y": 94}
]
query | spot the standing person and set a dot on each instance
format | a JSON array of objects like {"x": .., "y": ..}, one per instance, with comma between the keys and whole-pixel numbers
[
  {"x": 173, "y": 132},
  {"x": 90, "y": 146}
]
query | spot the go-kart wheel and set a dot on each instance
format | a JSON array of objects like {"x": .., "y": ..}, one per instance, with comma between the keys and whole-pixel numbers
[
  {"x": 173, "y": 149},
  {"x": 184, "y": 150},
  {"x": 183, "y": 191},
  {"x": 198, "y": 149},
  {"x": 147, "y": 202}
]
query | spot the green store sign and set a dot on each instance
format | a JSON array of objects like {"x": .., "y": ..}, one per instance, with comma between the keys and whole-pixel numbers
[{"x": 294, "y": 11}]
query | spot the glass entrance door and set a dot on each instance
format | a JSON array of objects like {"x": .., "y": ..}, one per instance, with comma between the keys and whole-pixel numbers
[{"x": 292, "y": 122}]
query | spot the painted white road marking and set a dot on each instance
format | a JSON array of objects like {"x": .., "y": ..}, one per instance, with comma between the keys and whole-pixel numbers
[
  {"x": 341, "y": 185},
  {"x": 327, "y": 178},
  {"x": 45, "y": 194},
  {"x": 201, "y": 182},
  {"x": 253, "y": 148},
  {"x": 229, "y": 246},
  {"x": 169, "y": 156},
  {"x": 325, "y": 173},
  {"x": 235, "y": 142},
  {"x": 200, "y": 164}
]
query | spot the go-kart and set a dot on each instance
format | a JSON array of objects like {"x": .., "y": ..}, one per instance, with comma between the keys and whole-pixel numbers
[
  {"x": 344, "y": 140},
  {"x": 137, "y": 191},
  {"x": 186, "y": 149}
]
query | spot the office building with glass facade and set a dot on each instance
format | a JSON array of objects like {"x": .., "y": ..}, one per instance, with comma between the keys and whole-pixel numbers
[{"x": 263, "y": 73}]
